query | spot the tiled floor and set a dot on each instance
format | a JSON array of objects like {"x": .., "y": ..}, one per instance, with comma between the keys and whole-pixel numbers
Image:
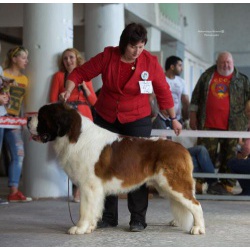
[{"x": 44, "y": 223}]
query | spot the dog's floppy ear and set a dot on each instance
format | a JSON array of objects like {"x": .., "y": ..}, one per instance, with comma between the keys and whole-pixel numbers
[
  {"x": 59, "y": 119},
  {"x": 69, "y": 122},
  {"x": 75, "y": 128}
]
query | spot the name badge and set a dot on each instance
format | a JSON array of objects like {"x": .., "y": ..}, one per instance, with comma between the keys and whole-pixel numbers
[
  {"x": 144, "y": 75},
  {"x": 146, "y": 87}
]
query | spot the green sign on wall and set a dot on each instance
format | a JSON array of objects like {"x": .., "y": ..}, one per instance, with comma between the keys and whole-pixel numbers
[{"x": 171, "y": 11}]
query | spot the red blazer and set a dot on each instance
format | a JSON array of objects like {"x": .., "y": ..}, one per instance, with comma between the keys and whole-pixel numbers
[{"x": 127, "y": 103}]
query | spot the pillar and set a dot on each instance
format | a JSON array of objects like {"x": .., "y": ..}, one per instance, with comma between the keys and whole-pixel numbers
[
  {"x": 103, "y": 26},
  {"x": 154, "y": 39},
  {"x": 47, "y": 31},
  {"x": 154, "y": 43}
]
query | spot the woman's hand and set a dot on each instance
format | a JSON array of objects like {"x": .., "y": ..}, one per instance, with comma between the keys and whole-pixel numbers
[
  {"x": 64, "y": 96},
  {"x": 177, "y": 127}
]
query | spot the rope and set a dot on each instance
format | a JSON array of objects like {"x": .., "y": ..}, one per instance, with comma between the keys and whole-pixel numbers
[{"x": 69, "y": 206}]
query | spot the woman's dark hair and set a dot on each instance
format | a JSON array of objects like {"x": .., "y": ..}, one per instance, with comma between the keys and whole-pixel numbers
[{"x": 132, "y": 34}]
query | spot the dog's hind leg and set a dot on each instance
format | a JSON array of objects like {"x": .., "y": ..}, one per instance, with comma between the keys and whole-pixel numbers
[
  {"x": 162, "y": 192},
  {"x": 177, "y": 183},
  {"x": 185, "y": 211},
  {"x": 91, "y": 206}
]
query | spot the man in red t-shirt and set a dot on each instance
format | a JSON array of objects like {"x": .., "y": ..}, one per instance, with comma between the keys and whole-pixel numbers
[
  {"x": 217, "y": 103},
  {"x": 217, "y": 109}
]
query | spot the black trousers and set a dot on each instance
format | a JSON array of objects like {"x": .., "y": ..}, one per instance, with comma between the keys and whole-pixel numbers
[{"x": 138, "y": 199}]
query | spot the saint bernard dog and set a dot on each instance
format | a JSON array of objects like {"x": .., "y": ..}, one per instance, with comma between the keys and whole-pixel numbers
[{"x": 101, "y": 163}]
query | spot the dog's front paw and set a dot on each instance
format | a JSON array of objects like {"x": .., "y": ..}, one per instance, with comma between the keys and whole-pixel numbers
[
  {"x": 90, "y": 229},
  {"x": 76, "y": 230},
  {"x": 197, "y": 230}
]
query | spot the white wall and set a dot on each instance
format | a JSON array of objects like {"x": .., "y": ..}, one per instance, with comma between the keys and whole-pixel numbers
[
  {"x": 234, "y": 19},
  {"x": 200, "y": 17},
  {"x": 193, "y": 68}
]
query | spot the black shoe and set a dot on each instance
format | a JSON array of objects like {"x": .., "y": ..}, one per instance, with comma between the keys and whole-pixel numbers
[
  {"x": 136, "y": 226},
  {"x": 217, "y": 188},
  {"x": 104, "y": 224}
]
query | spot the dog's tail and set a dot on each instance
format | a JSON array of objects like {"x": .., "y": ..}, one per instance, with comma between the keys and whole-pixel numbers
[{"x": 182, "y": 215}]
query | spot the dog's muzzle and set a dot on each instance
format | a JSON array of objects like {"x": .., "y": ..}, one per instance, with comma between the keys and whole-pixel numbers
[{"x": 32, "y": 129}]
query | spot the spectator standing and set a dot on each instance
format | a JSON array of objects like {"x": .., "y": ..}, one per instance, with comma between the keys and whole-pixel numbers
[
  {"x": 82, "y": 98},
  {"x": 4, "y": 99},
  {"x": 129, "y": 75},
  {"x": 15, "y": 62},
  {"x": 241, "y": 163},
  {"x": 218, "y": 103},
  {"x": 178, "y": 87}
]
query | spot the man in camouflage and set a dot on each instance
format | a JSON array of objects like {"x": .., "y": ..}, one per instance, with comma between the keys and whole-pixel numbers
[{"x": 218, "y": 103}]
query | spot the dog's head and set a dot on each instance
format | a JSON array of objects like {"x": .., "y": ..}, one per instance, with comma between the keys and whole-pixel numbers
[{"x": 55, "y": 120}]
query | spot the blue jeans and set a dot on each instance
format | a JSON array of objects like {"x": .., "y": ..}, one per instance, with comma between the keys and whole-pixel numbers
[
  {"x": 202, "y": 162},
  {"x": 14, "y": 142},
  {"x": 1, "y": 138},
  {"x": 241, "y": 166}
]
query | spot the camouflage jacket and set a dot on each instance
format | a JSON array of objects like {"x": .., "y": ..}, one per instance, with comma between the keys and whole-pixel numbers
[{"x": 239, "y": 91}]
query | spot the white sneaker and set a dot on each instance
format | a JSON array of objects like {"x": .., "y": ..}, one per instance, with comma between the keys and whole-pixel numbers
[{"x": 3, "y": 202}]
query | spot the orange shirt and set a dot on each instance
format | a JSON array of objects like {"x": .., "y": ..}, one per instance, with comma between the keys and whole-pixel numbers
[
  {"x": 57, "y": 88},
  {"x": 217, "y": 108}
]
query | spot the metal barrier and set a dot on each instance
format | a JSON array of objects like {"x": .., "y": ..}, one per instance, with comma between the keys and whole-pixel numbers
[
  {"x": 201, "y": 133},
  {"x": 217, "y": 134}
]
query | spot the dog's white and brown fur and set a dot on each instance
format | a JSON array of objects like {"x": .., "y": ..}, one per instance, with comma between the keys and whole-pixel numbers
[{"x": 101, "y": 163}]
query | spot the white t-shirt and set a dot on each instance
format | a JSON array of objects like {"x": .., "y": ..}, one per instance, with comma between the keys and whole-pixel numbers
[
  {"x": 178, "y": 87},
  {"x": 2, "y": 108}
]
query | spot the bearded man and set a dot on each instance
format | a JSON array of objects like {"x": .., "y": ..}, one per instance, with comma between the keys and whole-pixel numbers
[{"x": 218, "y": 103}]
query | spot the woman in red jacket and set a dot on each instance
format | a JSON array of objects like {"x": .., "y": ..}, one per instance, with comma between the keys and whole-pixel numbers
[
  {"x": 129, "y": 74},
  {"x": 81, "y": 98}
]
